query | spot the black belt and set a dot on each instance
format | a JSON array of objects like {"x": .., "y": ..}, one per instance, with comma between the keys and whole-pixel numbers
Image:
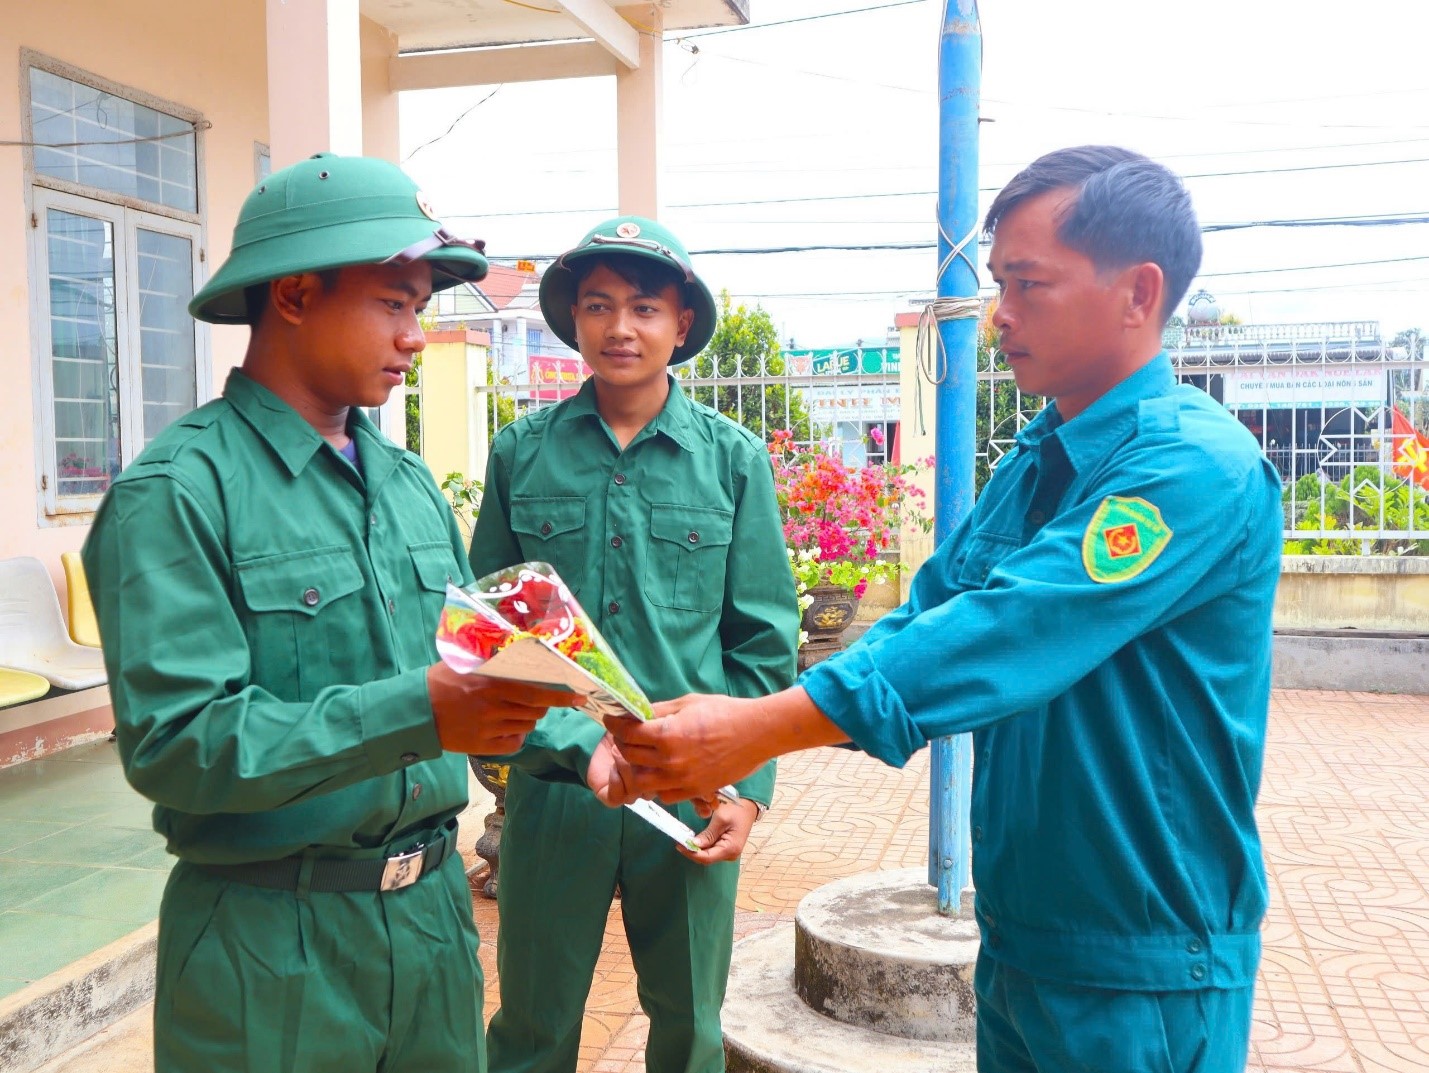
[{"x": 332, "y": 875}]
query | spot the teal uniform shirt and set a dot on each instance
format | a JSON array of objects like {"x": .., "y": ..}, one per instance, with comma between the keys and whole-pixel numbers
[
  {"x": 268, "y": 618},
  {"x": 1102, "y": 623},
  {"x": 673, "y": 546}
]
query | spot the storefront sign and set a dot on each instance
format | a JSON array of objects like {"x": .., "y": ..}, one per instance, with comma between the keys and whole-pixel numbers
[
  {"x": 874, "y": 361},
  {"x": 1303, "y": 387},
  {"x": 853, "y": 402},
  {"x": 555, "y": 378}
]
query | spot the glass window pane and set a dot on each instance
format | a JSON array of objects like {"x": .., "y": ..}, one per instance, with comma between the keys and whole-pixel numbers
[
  {"x": 64, "y": 112},
  {"x": 168, "y": 351},
  {"x": 84, "y": 352}
]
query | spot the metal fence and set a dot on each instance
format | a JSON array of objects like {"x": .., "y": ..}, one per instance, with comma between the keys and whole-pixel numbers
[{"x": 1337, "y": 411}]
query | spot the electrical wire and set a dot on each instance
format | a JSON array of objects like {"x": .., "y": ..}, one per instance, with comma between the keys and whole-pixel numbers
[{"x": 458, "y": 119}]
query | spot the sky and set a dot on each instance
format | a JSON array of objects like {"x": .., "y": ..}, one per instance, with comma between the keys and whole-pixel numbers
[{"x": 845, "y": 107}]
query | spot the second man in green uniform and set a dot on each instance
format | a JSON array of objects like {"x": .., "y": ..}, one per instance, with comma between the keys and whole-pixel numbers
[{"x": 661, "y": 516}]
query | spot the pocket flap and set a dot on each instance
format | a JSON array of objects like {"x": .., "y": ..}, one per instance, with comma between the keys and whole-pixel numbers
[
  {"x": 691, "y": 528},
  {"x": 985, "y": 551},
  {"x": 548, "y": 517},
  {"x": 304, "y": 581},
  {"x": 434, "y": 565}
]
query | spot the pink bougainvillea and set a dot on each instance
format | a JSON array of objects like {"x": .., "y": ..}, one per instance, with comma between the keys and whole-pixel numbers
[{"x": 842, "y": 516}]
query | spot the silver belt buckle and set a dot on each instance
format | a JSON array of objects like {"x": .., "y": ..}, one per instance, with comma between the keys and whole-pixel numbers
[{"x": 404, "y": 869}]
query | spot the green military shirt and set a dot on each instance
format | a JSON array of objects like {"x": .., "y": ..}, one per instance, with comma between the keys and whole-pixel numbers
[
  {"x": 268, "y": 615},
  {"x": 673, "y": 546}
]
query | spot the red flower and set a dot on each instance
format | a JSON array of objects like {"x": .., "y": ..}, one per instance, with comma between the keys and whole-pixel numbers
[{"x": 481, "y": 637}]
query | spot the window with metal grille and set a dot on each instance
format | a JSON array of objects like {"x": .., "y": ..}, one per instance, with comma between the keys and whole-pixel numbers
[{"x": 115, "y": 252}]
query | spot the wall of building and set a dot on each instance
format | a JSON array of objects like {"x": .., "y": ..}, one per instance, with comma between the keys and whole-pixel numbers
[
  {"x": 206, "y": 55},
  {"x": 916, "y": 439}
]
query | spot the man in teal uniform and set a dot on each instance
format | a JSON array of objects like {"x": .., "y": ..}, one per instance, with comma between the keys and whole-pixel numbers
[
  {"x": 1101, "y": 622},
  {"x": 661, "y": 516},
  {"x": 268, "y": 576}
]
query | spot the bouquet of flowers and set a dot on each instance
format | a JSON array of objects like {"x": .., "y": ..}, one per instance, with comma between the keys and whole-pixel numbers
[{"x": 522, "y": 623}]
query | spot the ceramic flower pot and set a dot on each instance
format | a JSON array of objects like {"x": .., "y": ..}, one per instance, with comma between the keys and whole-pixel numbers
[{"x": 825, "y": 620}]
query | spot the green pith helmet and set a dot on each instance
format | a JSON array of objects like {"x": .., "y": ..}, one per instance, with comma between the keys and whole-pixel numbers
[
  {"x": 329, "y": 212},
  {"x": 643, "y": 238}
]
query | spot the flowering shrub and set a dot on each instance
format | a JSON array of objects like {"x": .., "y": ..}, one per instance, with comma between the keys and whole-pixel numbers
[{"x": 839, "y": 518}]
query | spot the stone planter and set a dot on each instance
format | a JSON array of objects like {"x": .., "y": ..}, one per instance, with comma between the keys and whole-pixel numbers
[
  {"x": 825, "y": 620},
  {"x": 488, "y": 846}
]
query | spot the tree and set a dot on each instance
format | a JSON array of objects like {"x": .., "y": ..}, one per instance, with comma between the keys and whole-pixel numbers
[{"x": 746, "y": 344}]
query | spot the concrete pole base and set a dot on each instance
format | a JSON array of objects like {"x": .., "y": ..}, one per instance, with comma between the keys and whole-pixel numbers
[{"x": 869, "y": 977}]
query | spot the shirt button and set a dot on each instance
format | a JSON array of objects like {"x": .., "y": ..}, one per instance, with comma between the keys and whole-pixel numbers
[
  {"x": 409, "y": 758},
  {"x": 372, "y": 517},
  {"x": 615, "y": 542},
  {"x": 545, "y": 528},
  {"x": 620, "y": 478},
  {"x": 311, "y": 597},
  {"x": 1037, "y": 517},
  {"x": 416, "y": 791},
  {"x": 1194, "y": 946},
  {"x": 613, "y": 607},
  {"x": 694, "y": 537},
  {"x": 994, "y": 940},
  {"x": 391, "y": 607},
  {"x": 977, "y": 834},
  {"x": 1198, "y": 972}
]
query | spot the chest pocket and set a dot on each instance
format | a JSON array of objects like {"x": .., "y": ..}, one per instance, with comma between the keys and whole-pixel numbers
[
  {"x": 689, "y": 550},
  {"x": 301, "y": 618},
  {"x": 551, "y": 529},
  {"x": 435, "y": 567},
  {"x": 985, "y": 551}
]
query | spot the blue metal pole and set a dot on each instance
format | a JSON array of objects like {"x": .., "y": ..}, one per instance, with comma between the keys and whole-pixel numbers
[{"x": 959, "y": 88}]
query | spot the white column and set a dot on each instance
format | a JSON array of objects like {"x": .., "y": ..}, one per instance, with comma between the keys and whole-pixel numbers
[
  {"x": 637, "y": 118},
  {"x": 314, "y": 79},
  {"x": 381, "y": 125}
]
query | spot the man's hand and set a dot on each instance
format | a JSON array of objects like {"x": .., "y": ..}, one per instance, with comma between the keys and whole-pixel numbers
[
  {"x": 724, "y": 836},
  {"x": 702, "y": 741},
  {"x": 607, "y": 774},
  {"x": 487, "y": 716}
]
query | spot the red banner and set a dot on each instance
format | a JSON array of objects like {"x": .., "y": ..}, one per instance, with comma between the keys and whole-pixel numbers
[
  {"x": 555, "y": 378},
  {"x": 1411, "y": 451}
]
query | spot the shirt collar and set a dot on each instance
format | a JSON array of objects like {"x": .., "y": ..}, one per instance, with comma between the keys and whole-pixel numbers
[
  {"x": 673, "y": 420},
  {"x": 290, "y": 436},
  {"x": 1102, "y": 426}
]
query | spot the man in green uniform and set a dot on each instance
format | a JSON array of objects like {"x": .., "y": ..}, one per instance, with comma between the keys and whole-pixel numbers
[
  {"x": 1101, "y": 622},
  {"x": 268, "y": 576},
  {"x": 661, "y": 516}
]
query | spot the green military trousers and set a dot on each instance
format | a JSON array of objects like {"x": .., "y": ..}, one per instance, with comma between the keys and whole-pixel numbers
[
  {"x": 268, "y": 981},
  {"x": 1029, "y": 1025},
  {"x": 562, "y": 856}
]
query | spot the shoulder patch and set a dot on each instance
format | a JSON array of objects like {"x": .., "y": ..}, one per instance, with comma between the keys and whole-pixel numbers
[{"x": 1124, "y": 537}]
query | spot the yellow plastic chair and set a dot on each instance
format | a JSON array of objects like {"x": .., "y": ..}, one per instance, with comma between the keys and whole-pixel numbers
[
  {"x": 83, "y": 626},
  {"x": 17, "y": 687}
]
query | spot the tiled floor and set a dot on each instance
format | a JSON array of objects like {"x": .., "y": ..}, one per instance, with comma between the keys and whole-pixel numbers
[
  {"x": 1344, "y": 811},
  {"x": 80, "y": 864},
  {"x": 1344, "y": 985}
]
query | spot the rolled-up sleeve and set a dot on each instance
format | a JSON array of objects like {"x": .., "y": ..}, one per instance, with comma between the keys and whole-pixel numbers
[{"x": 1044, "y": 615}]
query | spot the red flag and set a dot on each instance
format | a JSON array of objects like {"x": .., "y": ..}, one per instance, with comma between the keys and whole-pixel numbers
[{"x": 1411, "y": 451}]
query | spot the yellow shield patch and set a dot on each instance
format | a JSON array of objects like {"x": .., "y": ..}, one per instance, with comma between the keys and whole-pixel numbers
[{"x": 1123, "y": 538}]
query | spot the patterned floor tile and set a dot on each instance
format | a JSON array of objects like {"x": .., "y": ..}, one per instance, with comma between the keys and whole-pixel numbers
[{"x": 1344, "y": 981}]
